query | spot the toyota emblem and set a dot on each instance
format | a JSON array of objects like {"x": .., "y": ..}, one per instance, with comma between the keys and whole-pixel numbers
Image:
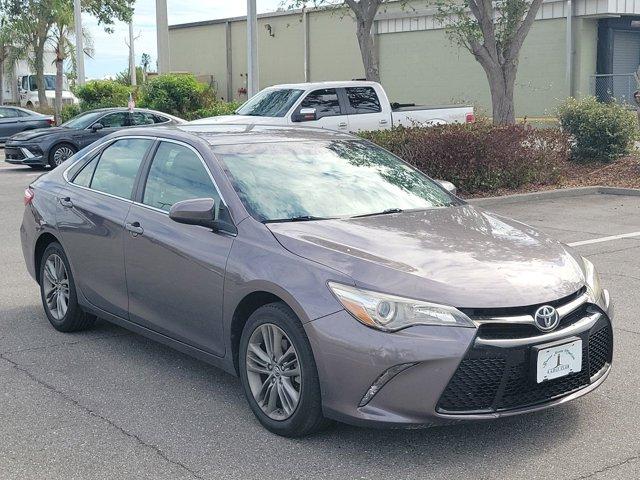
[{"x": 546, "y": 318}]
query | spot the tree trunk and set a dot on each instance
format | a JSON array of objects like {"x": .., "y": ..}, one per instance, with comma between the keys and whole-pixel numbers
[
  {"x": 367, "y": 50},
  {"x": 39, "y": 64},
  {"x": 2, "y": 80},
  {"x": 58, "y": 99},
  {"x": 502, "y": 81}
]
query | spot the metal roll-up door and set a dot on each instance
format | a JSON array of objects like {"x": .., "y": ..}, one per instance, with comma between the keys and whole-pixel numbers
[{"x": 626, "y": 58}]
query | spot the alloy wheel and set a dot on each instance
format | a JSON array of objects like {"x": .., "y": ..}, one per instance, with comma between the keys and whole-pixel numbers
[
  {"x": 273, "y": 371},
  {"x": 56, "y": 286},
  {"x": 61, "y": 154}
]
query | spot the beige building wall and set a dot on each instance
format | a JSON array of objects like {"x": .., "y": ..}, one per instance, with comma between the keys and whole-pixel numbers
[{"x": 416, "y": 66}]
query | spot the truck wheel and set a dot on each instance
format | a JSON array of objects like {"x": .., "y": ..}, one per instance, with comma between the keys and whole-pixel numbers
[{"x": 61, "y": 152}]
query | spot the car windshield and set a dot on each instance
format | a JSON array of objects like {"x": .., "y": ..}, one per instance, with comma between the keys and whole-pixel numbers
[
  {"x": 270, "y": 103},
  {"x": 83, "y": 120},
  {"x": 325, "y": 179}
]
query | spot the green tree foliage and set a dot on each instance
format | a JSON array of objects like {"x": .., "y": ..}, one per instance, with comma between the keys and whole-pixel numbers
[{"x": 493, "y": 31}]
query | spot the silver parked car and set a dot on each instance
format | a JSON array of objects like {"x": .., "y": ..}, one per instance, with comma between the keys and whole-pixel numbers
[{"x": 337, "y": 281}]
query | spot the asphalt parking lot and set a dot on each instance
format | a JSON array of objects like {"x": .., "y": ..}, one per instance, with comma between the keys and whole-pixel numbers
[{"x": 111, "y": 404}]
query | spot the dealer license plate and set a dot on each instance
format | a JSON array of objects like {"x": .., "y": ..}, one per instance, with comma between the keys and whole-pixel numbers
[{"x": 559, "y": 361}]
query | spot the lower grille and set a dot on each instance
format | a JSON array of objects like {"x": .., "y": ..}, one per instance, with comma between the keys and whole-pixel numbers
[
  {"x": 11, "y": 153},
  {"x": 495, "y": 379}
]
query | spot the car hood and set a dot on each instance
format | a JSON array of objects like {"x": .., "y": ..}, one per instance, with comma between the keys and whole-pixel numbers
[
  {"x": 460, "y": 256},
  {"x": 239, "y": 119},
  {"x": 37, "y": 133}
]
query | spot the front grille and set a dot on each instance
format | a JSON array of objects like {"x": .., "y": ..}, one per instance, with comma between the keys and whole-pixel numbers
[
  {"x": 491, "y": 379},
  {"x": 12, "y": 153}
]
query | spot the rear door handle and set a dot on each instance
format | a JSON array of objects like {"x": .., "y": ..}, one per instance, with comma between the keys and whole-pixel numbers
[
  {"x": 134, "y": 228},
  {"x": 66, "y": 202}
]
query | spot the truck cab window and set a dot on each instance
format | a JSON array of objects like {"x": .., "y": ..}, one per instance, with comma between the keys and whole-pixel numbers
[{"x": 363, "y": 100}]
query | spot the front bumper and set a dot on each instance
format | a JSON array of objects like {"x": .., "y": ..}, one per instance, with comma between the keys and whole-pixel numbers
[
  {"x": 351, "y": 357},
  {"x": 22, "y": 155}
]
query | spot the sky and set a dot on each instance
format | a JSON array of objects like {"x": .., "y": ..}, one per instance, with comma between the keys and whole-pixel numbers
[{"x": 110, "y": 51}]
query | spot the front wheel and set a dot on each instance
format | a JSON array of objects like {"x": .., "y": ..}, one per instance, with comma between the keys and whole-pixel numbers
[
  {"x": 279, "y": 374},
  {"x": 60, "y": 153}
]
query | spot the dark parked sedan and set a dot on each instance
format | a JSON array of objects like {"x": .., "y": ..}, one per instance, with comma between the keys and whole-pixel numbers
[
  {"x": 337, "y": 281},
  {"x": 52, "y": 146},
  {"x": 15, "y": 120}
]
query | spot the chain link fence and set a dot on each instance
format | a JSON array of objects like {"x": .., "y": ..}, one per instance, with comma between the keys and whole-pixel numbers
[{"x": 617, "y": 87}]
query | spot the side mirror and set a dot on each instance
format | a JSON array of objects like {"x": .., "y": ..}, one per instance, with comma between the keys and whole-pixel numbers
[
  {"x": 448, "y": 186},
  {"x": 199, "y": 211},
  {"x": 96, "y": 126},
  {"x": 305, "y": 115}
]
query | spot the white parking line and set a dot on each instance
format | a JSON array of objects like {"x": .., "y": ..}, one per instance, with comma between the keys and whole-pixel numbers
[{"x": 604, "y": 239}]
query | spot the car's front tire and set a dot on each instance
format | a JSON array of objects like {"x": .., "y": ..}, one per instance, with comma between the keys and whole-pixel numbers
[
  {"x": 60, "y": 153},
  {"x": 58, "y": 292},
  {"x": 279, "y": 374}
]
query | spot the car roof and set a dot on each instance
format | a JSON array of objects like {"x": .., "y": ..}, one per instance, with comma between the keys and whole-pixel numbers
[
  {"x": 331, "y": 84},
  {"x": 236, "y": 134}
]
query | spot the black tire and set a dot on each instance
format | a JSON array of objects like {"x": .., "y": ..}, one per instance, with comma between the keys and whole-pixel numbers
[
  {"x": 75, "y": 319},
  {"x": 307, "y": 417},
  {"x": 59, "y": 148}
]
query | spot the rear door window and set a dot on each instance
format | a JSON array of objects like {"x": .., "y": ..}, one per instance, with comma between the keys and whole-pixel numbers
[
  {"x": 363, "y": 100},
  {"x": 118, "y": 166},
  {"x": 115, "y": 120},
  {"x": 142, "y": 118},
  {"x": 325, "y": 101}
]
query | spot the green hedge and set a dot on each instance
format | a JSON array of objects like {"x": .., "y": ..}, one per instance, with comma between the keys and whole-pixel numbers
[
  {"x": 218, "y": 108},
  {"x": 178, "y": 94},
  {"x": 599, "y": 131},
  {"x": 102, "y": 94},
  {"x": 480, "y": 157}
]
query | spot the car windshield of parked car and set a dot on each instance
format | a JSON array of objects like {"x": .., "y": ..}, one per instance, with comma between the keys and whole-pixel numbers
[
  {"x": 325, "y": 179},
  {"x": 83, "y": 120},
  {"x": 270, "y": 103}
]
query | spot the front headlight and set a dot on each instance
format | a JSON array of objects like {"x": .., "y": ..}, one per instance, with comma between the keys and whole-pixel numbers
[
  {"x": 390, "y": 313},
  {"x": 592, "y": 278}
]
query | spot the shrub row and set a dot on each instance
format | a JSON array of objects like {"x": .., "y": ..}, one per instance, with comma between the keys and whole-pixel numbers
[
  {"x": 480, "y": 157},
  {"x": 177, "y": 94}
]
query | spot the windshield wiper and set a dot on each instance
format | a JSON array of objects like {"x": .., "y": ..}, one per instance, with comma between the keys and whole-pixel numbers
[
  {"x": 384, "y": 212},
  {"x": 301, "y": 218}
]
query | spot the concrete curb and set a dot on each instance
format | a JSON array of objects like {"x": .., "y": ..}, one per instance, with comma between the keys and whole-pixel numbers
[{"x": 551, "y": 194}]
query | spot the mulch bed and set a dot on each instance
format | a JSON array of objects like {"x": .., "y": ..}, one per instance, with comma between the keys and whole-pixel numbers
[{"x": 624, "y": 172}]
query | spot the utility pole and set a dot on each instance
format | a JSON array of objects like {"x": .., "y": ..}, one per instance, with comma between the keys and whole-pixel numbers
[
  {"x": 252, "y": 49},
  {"x": 77, "y": 17},
  {"x": 132, "y": 56},
  {"x": 162, "y": 33}
]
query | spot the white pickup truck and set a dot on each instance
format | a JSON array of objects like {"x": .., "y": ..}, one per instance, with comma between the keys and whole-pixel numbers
[{"x": 348, "y": 106}]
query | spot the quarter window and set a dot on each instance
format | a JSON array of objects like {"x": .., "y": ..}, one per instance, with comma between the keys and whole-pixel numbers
[
  {"x": 83, "y": 178},
  {"x": 325, "y": 102},
  {"x": 118, "y": 166},
  {"x": 176, "y": 174},
  {"x": 363, "y": 100}
]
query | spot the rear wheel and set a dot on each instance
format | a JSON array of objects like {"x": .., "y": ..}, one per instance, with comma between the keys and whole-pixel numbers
[
  {"x": 59, "y": 153},
  {"x": 58, "y": 292},
  {"x": 279, "y": 374}
]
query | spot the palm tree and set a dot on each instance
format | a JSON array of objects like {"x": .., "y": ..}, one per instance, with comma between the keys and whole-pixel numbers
[{"x": 145, "y": 61}]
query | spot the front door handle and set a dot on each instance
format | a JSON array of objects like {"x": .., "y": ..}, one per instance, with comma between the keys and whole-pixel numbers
[
  {"x": 134, "y": 228},
  {"x": 383, "y": 122},
  {"x": 66, "y": 202},
  {"x": 342, "y": 124}
]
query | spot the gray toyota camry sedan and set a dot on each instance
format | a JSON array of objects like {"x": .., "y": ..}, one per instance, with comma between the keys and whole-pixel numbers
[{"x": 334, "y": 279}]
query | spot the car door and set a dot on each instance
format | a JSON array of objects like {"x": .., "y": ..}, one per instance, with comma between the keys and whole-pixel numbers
[
  {"x": 365, "y": 110},
  {"x": 110, "y": 123},
  {"x": 175, "y": 272},
  {"x": 91, "y": 216},
  {"x": 9, "y": 122},
  {"x": 330, "y": 113}
]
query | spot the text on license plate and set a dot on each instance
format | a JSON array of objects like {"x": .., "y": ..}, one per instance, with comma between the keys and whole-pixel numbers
[{"x": 558, "y": 361}]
